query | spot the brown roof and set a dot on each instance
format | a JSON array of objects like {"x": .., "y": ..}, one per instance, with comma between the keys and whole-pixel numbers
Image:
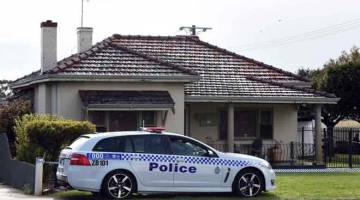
[{"x": 221, "y": 73}]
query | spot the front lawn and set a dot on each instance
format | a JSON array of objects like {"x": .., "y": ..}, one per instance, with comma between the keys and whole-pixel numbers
[{"x": 290, "y": 186}]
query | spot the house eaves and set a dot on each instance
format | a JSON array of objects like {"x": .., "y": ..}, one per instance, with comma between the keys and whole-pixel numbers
[{"x": 263, "y": 100}]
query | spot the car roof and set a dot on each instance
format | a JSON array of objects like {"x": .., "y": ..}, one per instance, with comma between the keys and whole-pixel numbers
[{"x": 127, "y": 133}]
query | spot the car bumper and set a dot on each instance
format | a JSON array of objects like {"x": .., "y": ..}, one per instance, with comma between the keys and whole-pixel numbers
[{"x": 270, "y": 180}]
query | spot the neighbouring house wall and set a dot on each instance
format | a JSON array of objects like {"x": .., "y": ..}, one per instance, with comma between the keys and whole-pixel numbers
[
  {"x": 284, "y": 121},
  {"x": 66, "y": 102}
]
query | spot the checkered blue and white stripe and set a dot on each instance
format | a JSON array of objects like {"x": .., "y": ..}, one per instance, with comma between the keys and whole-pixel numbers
[{"x": 172, "y": 158}]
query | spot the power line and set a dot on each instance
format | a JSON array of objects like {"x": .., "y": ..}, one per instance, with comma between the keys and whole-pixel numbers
[{"x": 318, "y": 33}]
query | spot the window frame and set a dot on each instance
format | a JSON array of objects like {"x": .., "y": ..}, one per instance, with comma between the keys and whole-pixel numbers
[
  {"x": 258, "y": 122},
  {"x": 196, "y": 143}
]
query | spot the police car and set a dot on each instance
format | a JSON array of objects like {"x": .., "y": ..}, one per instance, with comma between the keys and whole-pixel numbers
[{"x": 118, "y": 164}]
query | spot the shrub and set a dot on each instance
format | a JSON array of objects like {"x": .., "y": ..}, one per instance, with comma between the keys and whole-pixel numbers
[
  {"x": 46, "y": 135},
  {"x": 8, "y": 114}
]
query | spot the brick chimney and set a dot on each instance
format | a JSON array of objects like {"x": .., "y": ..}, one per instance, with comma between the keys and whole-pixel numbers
[
  {"x": 84, "y": 41},
  {"x": 48, "y": 45}
]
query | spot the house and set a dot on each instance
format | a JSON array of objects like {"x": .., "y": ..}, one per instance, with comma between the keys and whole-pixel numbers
[{"x": 180, "y": 82}]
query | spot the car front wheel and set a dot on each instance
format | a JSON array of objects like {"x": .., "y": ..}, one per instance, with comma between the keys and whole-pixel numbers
[
  {"x": 118, "y": 185},
  {"x": 249, "y": 183}
]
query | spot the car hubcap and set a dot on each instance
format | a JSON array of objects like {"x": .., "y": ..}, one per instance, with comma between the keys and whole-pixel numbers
[
  {"x": 249, "y": 185},
  {"x": 119, "y": 186}
]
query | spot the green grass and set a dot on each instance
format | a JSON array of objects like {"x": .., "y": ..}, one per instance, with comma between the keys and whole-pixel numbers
[{"x": 289, "y": 186}]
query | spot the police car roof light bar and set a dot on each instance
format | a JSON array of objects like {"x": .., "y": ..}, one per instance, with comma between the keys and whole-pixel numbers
[{"x": 154, "y": 129}]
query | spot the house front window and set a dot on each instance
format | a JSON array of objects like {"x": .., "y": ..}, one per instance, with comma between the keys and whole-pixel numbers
[
  {"x": 122, "y": 120},
  {"x": 248, "y": 124}
]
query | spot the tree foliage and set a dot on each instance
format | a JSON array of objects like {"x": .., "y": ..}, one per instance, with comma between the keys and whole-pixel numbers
[
  {"x": 8, "y": 114},
  {"x": 340, "y": 76}
]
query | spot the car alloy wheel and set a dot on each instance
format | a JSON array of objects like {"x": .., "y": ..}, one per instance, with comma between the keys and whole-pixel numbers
[
  {"x": 249, "y": 184},
  {"x": 119, "y": 185}
]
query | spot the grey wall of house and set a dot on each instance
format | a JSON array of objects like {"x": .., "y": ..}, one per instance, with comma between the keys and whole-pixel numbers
[
  {"x": 284, "y": 121},
  {"x": 15, "y": 173},
  {"x": 62, "y": 98}
]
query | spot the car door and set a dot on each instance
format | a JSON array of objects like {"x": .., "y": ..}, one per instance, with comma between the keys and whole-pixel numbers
[
  {"x": 193, "y": 166},
  {"x": 150, "y": 153}
]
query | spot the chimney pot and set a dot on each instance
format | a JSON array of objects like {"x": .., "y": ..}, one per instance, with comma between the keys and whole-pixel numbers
[{"x": 48, "y": 23}]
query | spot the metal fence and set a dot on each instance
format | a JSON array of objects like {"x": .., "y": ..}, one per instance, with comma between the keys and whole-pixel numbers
[
  {"x": 341, "y": 147},
  {"x": 294, "y": 154}
]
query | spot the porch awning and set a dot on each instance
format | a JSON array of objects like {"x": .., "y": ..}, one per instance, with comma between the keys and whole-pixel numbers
[{"x": 126, "y": 100}]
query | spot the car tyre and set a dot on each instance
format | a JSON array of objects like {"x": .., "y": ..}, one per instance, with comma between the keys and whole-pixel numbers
[
  {"x": 118, "y": 185},
  {"x": 248, "y": 183}
]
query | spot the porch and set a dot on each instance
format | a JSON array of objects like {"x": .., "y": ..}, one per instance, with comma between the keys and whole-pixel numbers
[{"x": 236, "y": 127}]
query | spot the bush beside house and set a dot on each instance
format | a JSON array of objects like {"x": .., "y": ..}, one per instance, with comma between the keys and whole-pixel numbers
[
  {"x": 46, "y": 135},
  {"x": 8, "y": 114}
]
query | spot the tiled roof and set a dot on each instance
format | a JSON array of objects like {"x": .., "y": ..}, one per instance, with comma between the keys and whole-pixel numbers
[
  {"x": 108, "y": 59},
  {"x": 223, "y": 73},
  {"x": 126, "y": 97}
]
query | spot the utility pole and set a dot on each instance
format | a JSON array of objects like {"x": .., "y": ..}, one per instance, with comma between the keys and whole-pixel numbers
[{"x": 193, "y": 29}]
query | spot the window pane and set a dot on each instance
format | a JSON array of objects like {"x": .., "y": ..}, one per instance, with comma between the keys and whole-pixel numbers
[
  {"x": 181, "y": 146},
  {"x": 154, "y": 144},
  {"x": 266, "y": 131},
  {"x": 245, "y": 123},
  {"x": 98, "y": 118},
  {"x": 114, "y": 144},
  {"x": 123, "y": 121},
  {"x": 148, "y": 118},
  {"x": 266, "y": 117}
]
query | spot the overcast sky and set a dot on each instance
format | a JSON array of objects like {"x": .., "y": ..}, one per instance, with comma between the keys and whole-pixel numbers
[{"x": 285, "y": 33}]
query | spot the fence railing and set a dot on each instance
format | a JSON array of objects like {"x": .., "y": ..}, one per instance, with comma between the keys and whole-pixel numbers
[{"x": 279, "y": 155}]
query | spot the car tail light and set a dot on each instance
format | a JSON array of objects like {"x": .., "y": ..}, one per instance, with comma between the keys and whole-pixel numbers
[
  {"x": 79, "y": 159},
  {"x": 154, "y": 129}
]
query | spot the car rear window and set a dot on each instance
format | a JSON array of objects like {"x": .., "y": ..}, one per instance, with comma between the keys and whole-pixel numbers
[{"x": 79, "y": 142}]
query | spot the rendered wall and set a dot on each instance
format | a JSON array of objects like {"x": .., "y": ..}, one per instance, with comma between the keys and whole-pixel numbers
[
  {"x": 284, "y": 121},
  {"x": 65, "y": 100}
]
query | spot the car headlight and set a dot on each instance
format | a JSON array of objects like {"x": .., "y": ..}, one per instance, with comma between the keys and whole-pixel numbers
[{"x": 265, "y": 164}]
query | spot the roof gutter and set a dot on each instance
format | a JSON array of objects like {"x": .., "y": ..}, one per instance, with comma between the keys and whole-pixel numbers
[
  {"x": 72, "y": 78},
  {"x": 264, "y": 100}
]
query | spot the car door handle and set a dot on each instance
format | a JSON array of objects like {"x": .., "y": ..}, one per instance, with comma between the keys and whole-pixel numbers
[
  {"x": 135, "y": 157},
  {"x": 180, "y": 160}
]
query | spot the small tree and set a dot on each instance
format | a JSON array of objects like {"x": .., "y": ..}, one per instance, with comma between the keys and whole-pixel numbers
[
  {"x": 8, "y": 114},
  {"x": 341, "y": 77}
]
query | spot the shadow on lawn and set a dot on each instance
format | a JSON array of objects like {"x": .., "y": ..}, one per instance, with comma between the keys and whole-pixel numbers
[{"x": 205, "y": 196}]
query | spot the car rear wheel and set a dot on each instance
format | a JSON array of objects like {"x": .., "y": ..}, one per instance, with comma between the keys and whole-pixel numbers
[
  {"x": 118, "y": 185},
  {"x": 249, "y": 183}
]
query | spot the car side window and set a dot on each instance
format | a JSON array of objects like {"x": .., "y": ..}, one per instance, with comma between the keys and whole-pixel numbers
[
  {"x": 108, "y": 145},
  {"x": 113, "y": 144},
  {"x": 154, "y": 144},
  {"x": 186, "y": 147}
]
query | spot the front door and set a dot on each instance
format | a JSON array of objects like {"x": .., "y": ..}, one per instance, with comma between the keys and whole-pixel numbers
[{"x": 193, "y": 166}]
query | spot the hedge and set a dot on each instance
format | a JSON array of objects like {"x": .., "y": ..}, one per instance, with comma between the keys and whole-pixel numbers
[{"x": 46, "y": 135}]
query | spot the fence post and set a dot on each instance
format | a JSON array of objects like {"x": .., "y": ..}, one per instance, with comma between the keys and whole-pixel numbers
[
  {"x": 302, "y": 143},
  {"x": 292, "y": 151},
  {"x": 350, "y": 148},
  {"x": 39, "y": 165}
]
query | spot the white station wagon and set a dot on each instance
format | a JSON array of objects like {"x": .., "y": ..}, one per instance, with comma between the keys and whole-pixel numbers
[{"x": 118, "y": 164}]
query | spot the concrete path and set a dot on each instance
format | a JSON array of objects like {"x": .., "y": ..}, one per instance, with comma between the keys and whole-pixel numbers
[{"x": 8, "y": 193}]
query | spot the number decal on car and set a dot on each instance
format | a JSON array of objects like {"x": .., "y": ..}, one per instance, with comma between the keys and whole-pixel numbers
[{"x": 99, "y": 162}]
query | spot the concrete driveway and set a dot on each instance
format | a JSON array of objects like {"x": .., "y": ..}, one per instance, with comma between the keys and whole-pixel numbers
[{"x": 8, "y": 193}]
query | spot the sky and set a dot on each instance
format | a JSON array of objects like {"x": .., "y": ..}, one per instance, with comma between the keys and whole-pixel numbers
[{"x": 287, "y": 34}]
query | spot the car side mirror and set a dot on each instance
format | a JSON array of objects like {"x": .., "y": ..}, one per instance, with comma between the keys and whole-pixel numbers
[{"x": 211, "y": 154}]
